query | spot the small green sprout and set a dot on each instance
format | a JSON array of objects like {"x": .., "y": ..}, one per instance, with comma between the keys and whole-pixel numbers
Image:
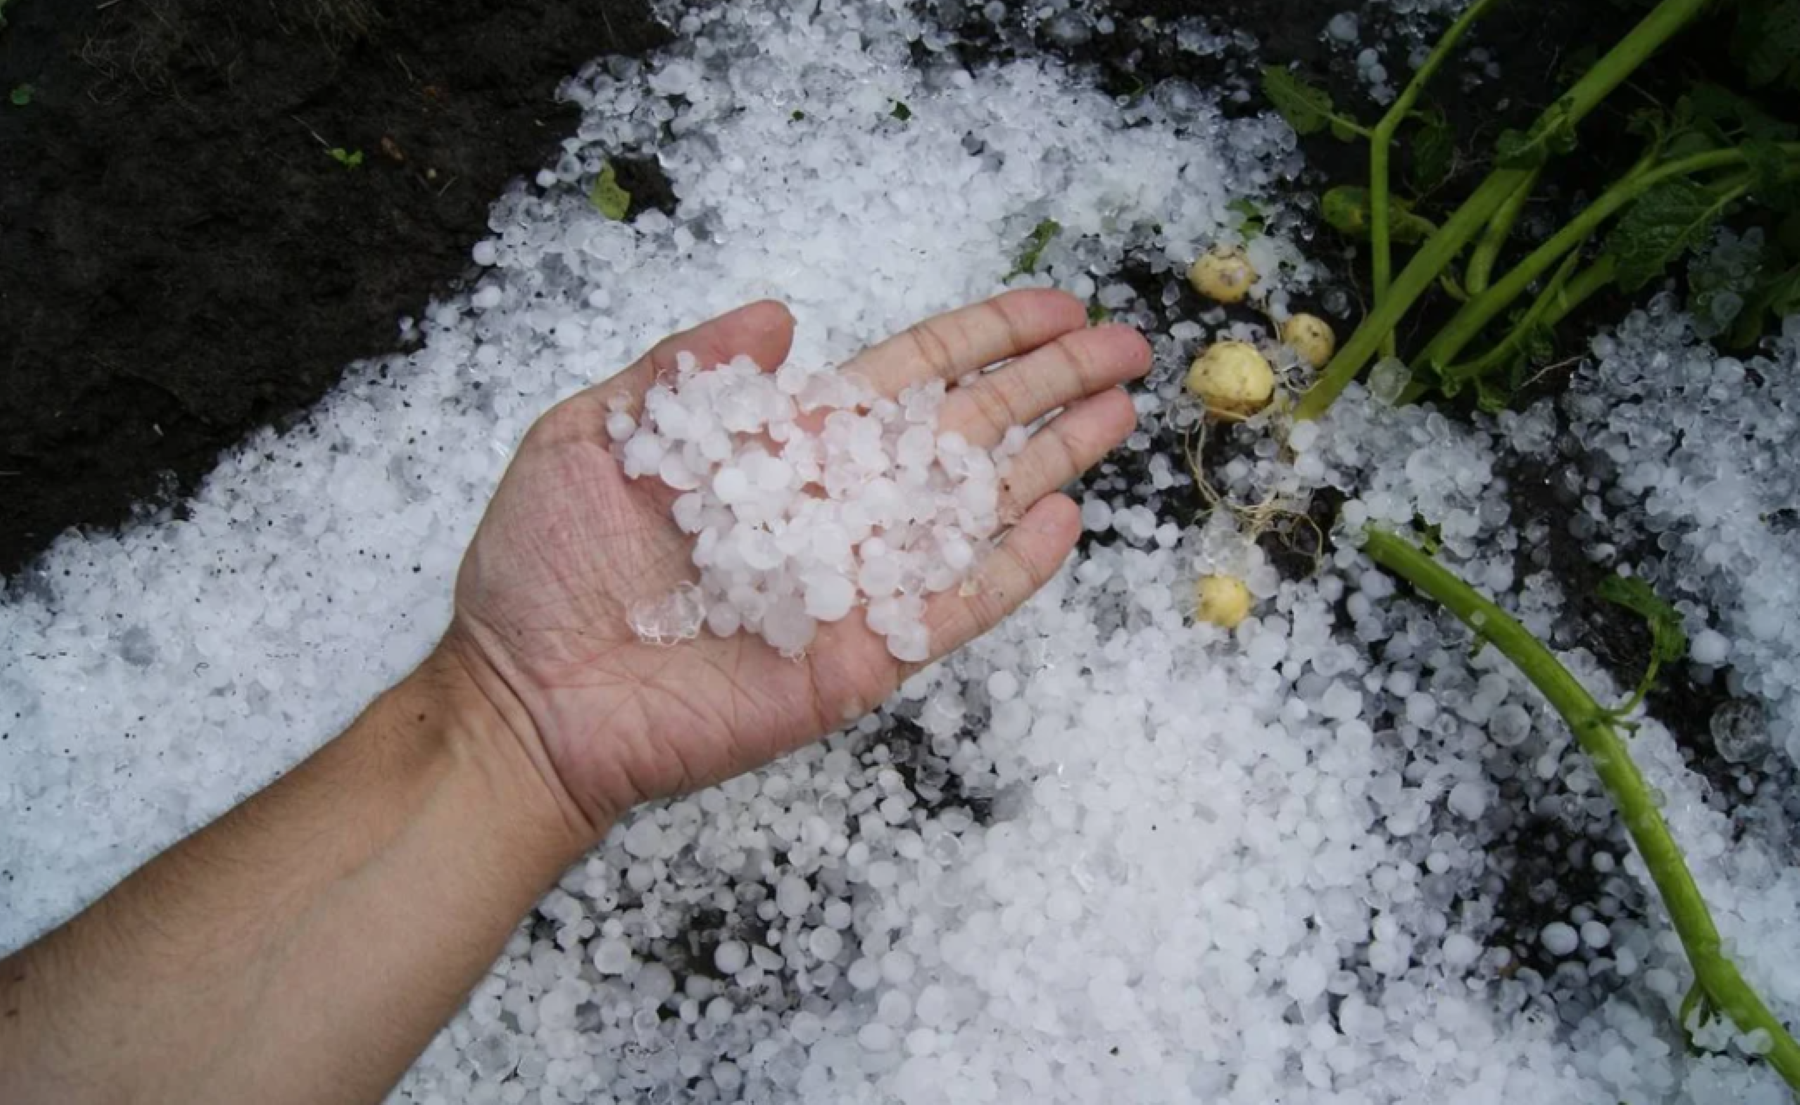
[
  {"x": 1433, "y": 150},
  {"x": 349, "y": 159},
  {"x": 607, "y": 197},
  {"x": 22, "y": 95},
  {"x": 1668, "y": 640},
  {"x": 901, "y": 111},
  {"x": 1033, "y": 251},
  {"x": 1251, "y": 220}
]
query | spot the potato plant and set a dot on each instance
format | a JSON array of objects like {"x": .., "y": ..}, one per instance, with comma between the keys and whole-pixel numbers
[{"x": 1711, "y": 154}]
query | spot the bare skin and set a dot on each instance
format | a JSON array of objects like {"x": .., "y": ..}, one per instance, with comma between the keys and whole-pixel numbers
[{"x": 307, "y": 945}]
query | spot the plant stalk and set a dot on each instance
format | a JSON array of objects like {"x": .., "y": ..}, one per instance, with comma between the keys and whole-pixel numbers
[
  {"x": 1493, "y": 238},
  {"x": 1552, "y": 305},
  {"x": 1595, "y": 730},
  {"x": 1608, "y": 73},
  {"x": 1380, "y": 141},
  {"x": 1484, "y": 308},
  {"x": 1419, "y": 274}
]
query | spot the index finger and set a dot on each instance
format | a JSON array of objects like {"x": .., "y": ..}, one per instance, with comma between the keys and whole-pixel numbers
[
  {"x": 954, "y": 344},
  {"x": 762, "y": 331}
]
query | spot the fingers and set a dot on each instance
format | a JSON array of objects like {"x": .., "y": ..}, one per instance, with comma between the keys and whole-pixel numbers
[
  {"x": 1069, "y": 445},
  {"x": 1085, "y": 362},
  {"x": 1030, "y": 554},
  {"x": 952, "y": 345},
  {"x": 762, "y": 331}
]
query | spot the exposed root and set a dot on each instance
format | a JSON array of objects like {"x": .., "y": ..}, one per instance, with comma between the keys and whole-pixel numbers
[{"x": 1277, "y": 514}]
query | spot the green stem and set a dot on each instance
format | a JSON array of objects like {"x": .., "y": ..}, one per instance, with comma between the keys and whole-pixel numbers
[
  {"x": 1552, "y": 305},
  {"x": 1381, "y": 251},
  {"x": 1639, "y": 692},
  {"x": 1493, "y": 237},
  {"x": 1608, "y": 73},
  {"x": 1419, "y": 274},
  {"x": 1482, "y": 309},
  {"x": 1594, "y": 730},
  {"x": 1381, "y": 255}
]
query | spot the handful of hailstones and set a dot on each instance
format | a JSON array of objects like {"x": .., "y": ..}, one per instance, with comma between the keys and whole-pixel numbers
[{"x": 808, "y": 496}]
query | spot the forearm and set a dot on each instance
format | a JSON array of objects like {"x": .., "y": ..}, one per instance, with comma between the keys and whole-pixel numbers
[{"x": 307, "y": 945}]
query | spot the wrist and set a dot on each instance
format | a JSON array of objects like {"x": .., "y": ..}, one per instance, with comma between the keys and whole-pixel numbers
[{"x": 494, "y": 735}]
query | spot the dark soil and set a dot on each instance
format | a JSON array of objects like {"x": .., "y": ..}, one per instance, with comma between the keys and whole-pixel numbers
[
  {"x": 184, "y": 261},
  {"x": 181, "y": 258}
]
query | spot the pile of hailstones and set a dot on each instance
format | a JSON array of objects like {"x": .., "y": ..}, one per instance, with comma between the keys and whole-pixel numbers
[{"x": 808, "y": 496}]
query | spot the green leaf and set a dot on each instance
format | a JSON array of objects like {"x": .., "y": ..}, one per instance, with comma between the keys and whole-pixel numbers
[
  {"x": 1346, "y": 209},
  {"x": 349, "y": 159},
  {"x": 1491, "y": 395},
  {"x": 1735, "y": 115},
  {"x": 1775, "y": 296},
  {"x": 1308, "y": 109},
  {"x": 1774, "y": 187},
  {"x": 1515, "y": 150},
  {"x": 1576, "y": 64},
  {"x": 1766, "y": 41},
  {"x": 1692, "y": 138},
  {"x": 1251, "y": 221},
  {"x": 1551, "y": 134},
  {"x": 1433, "y": 151},
  {"x": 1033, "y": 250},
  {"x": 607, "y": 197},
  {"x": 901, "y": 111},
  {"x": 1647, "y": 122},
  {"x": 1668, "y": 641},
  {"x": 1097, "y": 314},
  {"x": 1134, "y": 91},
  {"x": 1783, "y": 296},
  {"x": 1430, "y": 534},
  {"x": 1663, "y": 224},
  {"x": 22, "y": 95},
  {"x": 1697, "y": 1010}
]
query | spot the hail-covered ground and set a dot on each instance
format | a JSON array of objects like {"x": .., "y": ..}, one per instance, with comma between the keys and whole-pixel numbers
[{"x": 1106, "y": 853}]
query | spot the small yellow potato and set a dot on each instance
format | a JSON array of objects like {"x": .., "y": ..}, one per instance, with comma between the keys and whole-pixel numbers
[
  {"x": 1223, "y": 601},
  {"x": 1233, "y": 379},
  {"x": 1311, "y": 337},
  {"x": 1222, "y": 274}
]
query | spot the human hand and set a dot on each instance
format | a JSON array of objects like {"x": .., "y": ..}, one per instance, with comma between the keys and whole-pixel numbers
[{"x": 569, "y": 544}]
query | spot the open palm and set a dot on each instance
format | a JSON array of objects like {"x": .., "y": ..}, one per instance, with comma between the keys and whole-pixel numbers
[{"x": 569, "y": 544}]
